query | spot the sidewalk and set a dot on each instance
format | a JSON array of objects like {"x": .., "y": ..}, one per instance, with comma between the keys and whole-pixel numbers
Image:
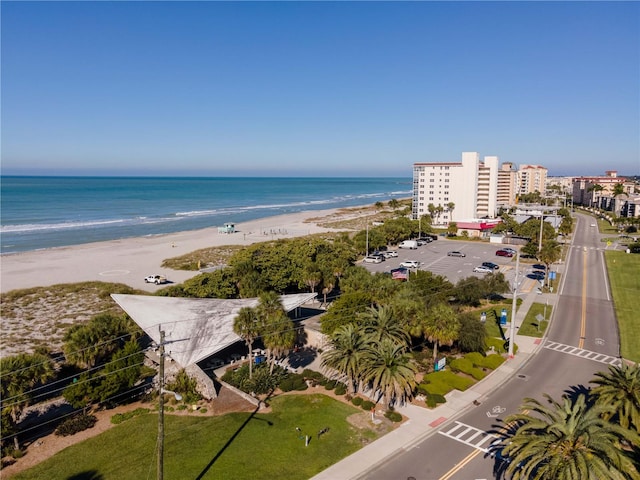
[{"x": 423, "y": 422}]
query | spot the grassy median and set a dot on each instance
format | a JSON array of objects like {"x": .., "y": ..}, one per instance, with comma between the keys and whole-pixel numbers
[{"x": 624, "y": 278}]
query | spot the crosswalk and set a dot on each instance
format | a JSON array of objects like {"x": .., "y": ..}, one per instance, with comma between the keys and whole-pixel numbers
[
  {"x": 579, "y": 352},
  {"x": 472, "y": 436}
]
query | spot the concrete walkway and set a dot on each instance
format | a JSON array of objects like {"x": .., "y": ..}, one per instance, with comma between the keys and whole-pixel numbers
[{"x": 423, "y": 422}]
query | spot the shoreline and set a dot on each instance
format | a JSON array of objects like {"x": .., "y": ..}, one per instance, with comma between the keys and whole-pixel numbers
[{"x": 130, "y": 260}]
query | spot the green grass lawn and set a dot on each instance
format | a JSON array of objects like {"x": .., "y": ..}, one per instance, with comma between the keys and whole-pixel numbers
[
  {"x": 493, "y": 316},
  {"x": 624, "y": 277},
  {"x": 531, "y": 327},
  {"x": 237, "y": 445}
]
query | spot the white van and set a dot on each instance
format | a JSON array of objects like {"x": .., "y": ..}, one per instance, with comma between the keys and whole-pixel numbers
[{"x": 411, "y": 244}]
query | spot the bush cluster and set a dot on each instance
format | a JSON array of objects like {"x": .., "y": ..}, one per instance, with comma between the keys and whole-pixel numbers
[
  {"x": 261, "y": 382},
  {"x": 76, "y": 424},
  {"x": 341, "y": 388},
  {"x": 393, "y": 416},
  {"x": 293, "y": 381},
  {"x": 357, "y": 401},
  {"x": 465, "y": 365},
  {"x": 367, "y": 405}
]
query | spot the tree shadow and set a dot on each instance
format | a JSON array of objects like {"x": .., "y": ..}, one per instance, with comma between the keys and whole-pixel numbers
[
  {"x": 88, "y": 475},
  {"x": 503, "y": 431},
  {"x": 233, "y": 437}
]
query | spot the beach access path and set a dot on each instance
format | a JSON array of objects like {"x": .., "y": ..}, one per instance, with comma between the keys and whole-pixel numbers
[{"x": 130, "y": 260}]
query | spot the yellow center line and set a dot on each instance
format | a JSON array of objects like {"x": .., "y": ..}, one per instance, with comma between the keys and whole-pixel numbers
[
  {"x": 583, "y": 322},
  {"x": 461, "y": 464}
]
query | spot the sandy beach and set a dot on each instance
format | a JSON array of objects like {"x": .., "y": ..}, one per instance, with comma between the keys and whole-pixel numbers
[{"x": 130, "y": 260}]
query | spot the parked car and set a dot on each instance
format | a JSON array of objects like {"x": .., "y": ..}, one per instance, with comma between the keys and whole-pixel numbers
[
  {"x": 410, "y": 264},
  {"x": 510, "y": 250},
  {"x": 481, "y": 269},
  {"x": 504, "y": 253},
  {"x": 425, "y": 239},
  {"x": 157, "y": 279},
  {"x": 411, "y": 244},
  {"x": 491, "y": 265},
  {"x": 379, "y": 255},
  {"x": 456, "y": 253},
  {"x": 372, "y": 259},
  {"x": 391, "y": 254}
]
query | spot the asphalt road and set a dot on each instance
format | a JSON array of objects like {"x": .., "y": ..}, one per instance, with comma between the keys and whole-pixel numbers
[{"x": 583, "y": 322}]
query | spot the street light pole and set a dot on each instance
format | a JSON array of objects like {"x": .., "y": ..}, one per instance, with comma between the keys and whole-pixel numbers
[
  {"x": 512, "y": 334},
  {"x": 541, "y": 225}
]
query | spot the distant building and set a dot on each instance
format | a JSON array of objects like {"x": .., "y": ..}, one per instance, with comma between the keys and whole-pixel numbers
[
  {"x": 588, "y": 191},
  {"x": 531, "y": 179}
]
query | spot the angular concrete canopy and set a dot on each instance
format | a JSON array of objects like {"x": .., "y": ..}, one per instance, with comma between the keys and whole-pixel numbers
[{"x": 195, "y": 328}]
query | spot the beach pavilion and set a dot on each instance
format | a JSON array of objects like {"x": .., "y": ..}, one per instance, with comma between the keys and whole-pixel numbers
[{"x": 195, "y": 328}]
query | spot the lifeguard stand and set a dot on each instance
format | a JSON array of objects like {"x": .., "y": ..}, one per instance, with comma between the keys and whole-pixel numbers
[{"x": 227, "y": 228}]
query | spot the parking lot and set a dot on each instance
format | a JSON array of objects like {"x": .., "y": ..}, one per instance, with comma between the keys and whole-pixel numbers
[{"x": 433, "y": 257}]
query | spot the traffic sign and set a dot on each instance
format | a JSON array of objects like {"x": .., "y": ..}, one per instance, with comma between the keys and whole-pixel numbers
[{"x": 503, "y": 317}]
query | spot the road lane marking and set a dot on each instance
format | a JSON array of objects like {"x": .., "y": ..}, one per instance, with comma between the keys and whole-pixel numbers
[
  {"x": 579, "y": 352},
  {"x": 460, "y": 465},
  {"x": 463, "y": 433},
  {"x": 583, "y": 322}
]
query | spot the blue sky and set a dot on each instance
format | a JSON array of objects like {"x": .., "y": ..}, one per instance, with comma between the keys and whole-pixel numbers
[{"x": 317, "y": 89}]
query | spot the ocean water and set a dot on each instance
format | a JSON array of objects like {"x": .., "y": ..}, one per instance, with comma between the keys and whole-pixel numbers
[{"x": 46, "y": 212}]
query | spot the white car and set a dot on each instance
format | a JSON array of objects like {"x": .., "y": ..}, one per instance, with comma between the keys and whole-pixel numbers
[
  {"x": 482, "y": 269},
  {"x": 372, "y": 259},
  {"x": 410, "y": 264},
  {"x": 390, "y": 254},
  {"x": 157, "y": 279}
]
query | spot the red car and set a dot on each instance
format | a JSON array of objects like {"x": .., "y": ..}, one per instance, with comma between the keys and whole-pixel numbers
[{"x": 504, "y": 253}]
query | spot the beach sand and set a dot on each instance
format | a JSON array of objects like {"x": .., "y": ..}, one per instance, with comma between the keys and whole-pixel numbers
[{"x": 130, "y": 260}]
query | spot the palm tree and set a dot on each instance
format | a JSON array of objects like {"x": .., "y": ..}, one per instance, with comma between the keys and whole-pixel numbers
[
  {"x": 618, "y": 189},
  {"x": 388, "y": 367},
  {"x": 441, "y": 326},
  {"x": 345, "y": 354},
  {"x": 279, "y": 336},
  {"x": 620, "y": 388},
  {"x": 379, "y": 324},
  {"x": 394, "y": 204},
  {"x": 566, "y": 441},
  {"x": 451, "y": 207},
  {"x": 247, "y": 326},
  {"x": 20, "y": 373},
  {"x": 551, "y": 252}
]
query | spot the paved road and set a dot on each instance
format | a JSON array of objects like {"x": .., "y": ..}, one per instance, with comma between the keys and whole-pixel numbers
[{"x": 582, "y": 340}]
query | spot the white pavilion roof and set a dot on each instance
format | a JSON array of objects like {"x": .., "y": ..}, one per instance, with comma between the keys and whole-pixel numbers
[{"x": 195, "y": 328}]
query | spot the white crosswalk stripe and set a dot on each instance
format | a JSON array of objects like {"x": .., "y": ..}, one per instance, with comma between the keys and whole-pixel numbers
[
  {"x": 472, "y": 436},
  {"x": 579, "y": 352}
]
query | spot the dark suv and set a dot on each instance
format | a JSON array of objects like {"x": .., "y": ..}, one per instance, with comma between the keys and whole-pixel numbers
[{"x": 490, "y": 265}]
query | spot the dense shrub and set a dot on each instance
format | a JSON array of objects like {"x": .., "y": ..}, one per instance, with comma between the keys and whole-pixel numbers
[
  {"x": 293, "y": 381},
  {"x": 393, "y": 416},
  {"x": 465, "y": 365},
  {"x": 203, "y": 410},
  {"x": 186, "y": 386},
  {"x": 357, "y": 401},
  {"x": 367, "y": 405},
  {"x": 341, "y": 388},
  {"x": 261, "y": 382},
  {"x": 330, "y": 385},
  {"x": 76, "y": 424},
  {"x": 476, "y": 358},
  {"x": 121, "y": 417},
  {"x": 316, "y": 377},
  {"x": 491, "y": 361},
  {"x": 434, "y": 399}
]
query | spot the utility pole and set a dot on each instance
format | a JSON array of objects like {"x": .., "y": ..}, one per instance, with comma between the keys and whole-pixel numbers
[
  {"x": 161, "y": 410},
  {"x": 512, "y": 334}
]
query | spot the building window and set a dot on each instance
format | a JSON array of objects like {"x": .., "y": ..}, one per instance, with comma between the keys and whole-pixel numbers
[
  {"x": 446, "y": 174},
  {"x": 432, "y": 174},
  {"x": 430, "y": 198},
  {"x": 446, "y": 168},
  {"x": 446, "y": 180}
]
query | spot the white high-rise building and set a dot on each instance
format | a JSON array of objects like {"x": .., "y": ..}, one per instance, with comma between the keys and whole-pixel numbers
[
  {"x": 464, "y": 190},
  {"x": 532, "y": 178}
]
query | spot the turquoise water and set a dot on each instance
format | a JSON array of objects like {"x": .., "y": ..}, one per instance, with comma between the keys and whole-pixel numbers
[{"x": 45, "y": 212}]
